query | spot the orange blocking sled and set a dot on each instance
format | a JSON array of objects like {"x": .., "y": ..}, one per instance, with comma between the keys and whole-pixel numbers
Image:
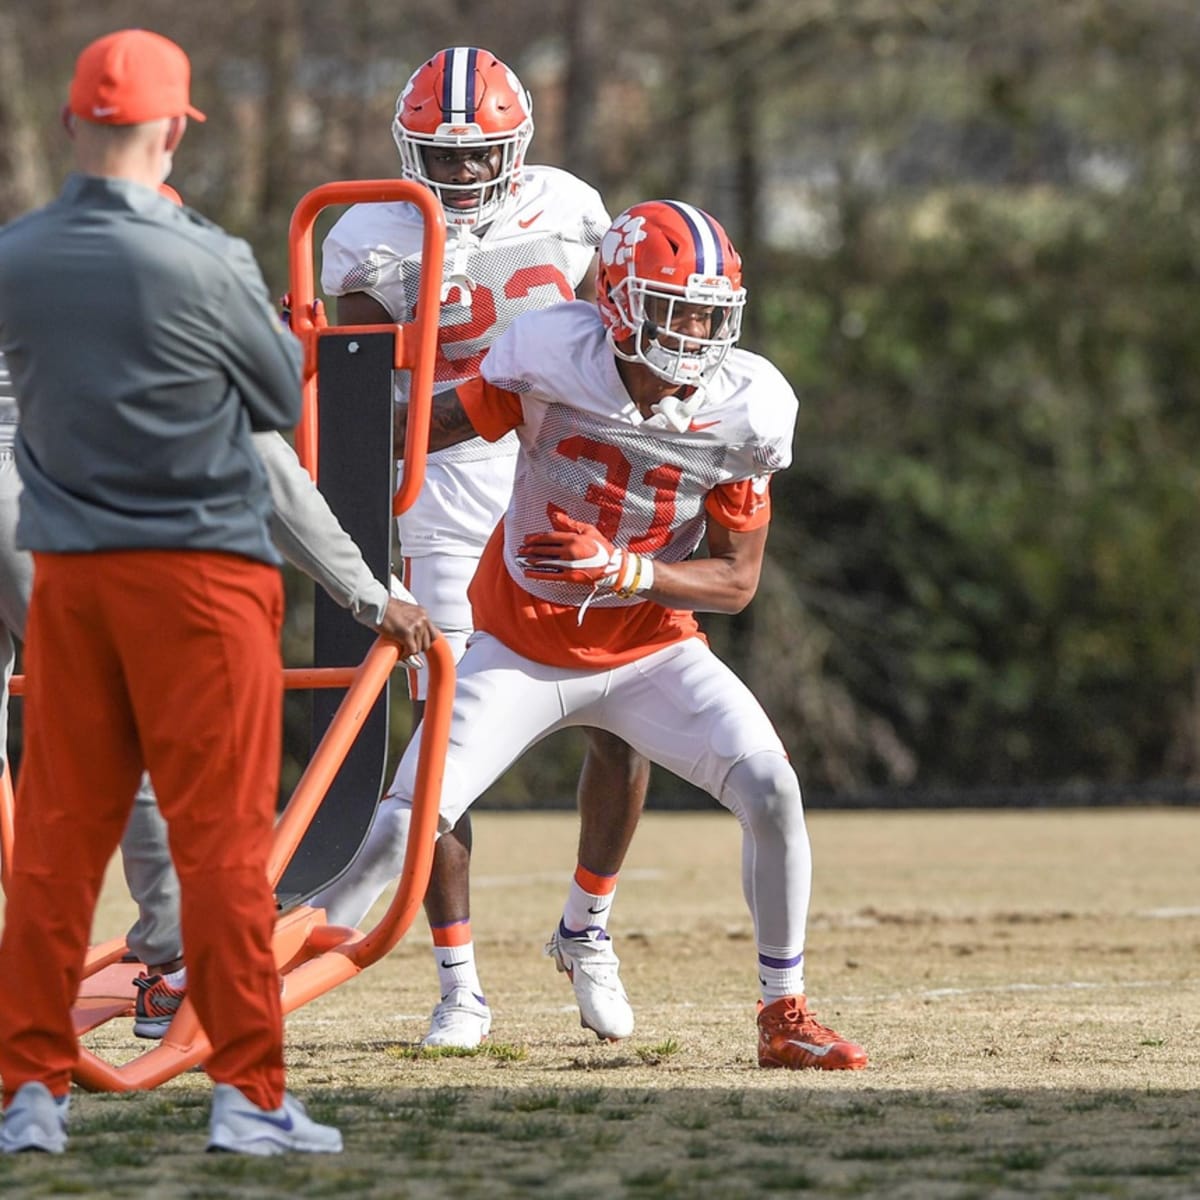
[{"x": 313, "y": 956}]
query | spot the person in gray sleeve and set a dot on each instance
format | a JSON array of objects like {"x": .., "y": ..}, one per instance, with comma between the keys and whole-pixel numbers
[{"x": 144, "y": 354}]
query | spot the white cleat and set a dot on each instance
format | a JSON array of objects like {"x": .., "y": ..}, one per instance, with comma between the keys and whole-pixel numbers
[
  {"x": 35, "y": 1120},
  {"x": 239, "y": 1126},
  {"x": 592, "y": 965},
  {"x": 460, "y": 1019}
]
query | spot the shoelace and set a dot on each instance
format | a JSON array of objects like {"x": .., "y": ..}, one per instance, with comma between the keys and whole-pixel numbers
[{"x": 809, "y": 1027}]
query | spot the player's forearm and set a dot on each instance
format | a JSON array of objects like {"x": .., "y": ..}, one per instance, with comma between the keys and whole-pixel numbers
[
  {"x": 448, "y": 423},
  {"x": 704, "y": 585}
]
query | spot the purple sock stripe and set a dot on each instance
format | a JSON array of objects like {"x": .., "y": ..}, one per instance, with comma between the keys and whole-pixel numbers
[
  {"x": 595, "y": 932},
  {"x": 781, "y": 964}
]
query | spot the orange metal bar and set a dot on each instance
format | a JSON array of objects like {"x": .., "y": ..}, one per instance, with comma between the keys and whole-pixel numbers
[
  {"x": 299, "y": 678},
  {"x": 416, "y": 344}
]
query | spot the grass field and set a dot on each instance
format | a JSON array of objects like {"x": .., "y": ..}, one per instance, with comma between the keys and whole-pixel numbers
[{"x": 1027, "y": 983}]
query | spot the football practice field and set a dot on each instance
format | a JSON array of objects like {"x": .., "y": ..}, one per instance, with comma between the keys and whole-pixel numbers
[{"x": 1027, "y": 985}]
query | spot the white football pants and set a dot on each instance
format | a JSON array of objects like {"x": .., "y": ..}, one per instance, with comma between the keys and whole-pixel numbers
[{"x": 681, "y": 707}]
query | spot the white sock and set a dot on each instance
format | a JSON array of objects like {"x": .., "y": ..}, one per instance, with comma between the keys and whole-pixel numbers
[
  {"x": 589, "y": 903},
  {"x": 456, "y": 964},
  {"x": 780, "y": 973}
]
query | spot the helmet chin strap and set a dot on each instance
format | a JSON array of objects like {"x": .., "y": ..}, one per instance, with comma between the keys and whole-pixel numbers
[
  {"x": 457, "y": 280},
  {"x": 676, "y": 410}
]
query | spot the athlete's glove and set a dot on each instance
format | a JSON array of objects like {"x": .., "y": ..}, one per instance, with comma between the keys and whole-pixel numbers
[{"x": 576, "y": 552}]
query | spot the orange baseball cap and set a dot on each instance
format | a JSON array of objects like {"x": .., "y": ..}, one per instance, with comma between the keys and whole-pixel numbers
[{"x": 129, "y": 77}]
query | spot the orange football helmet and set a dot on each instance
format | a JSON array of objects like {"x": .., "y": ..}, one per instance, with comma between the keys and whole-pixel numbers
[
  {"x": 465, "y": 97},
  {"x": 671, "y": 254}
]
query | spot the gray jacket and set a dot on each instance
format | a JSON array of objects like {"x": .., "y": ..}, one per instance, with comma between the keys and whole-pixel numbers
[
  {"x": 144, "y": 349},
  {"x": 302, "y": 525}
]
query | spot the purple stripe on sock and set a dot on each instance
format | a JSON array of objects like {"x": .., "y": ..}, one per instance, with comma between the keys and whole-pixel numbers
[
  {"x": 595, "y": 932},
  {"x": 451, "y": 924},
  {"x": 781, "y": 964}
]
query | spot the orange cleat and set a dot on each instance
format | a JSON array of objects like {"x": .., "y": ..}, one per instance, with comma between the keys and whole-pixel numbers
[{"x": 790, "y": 1036}]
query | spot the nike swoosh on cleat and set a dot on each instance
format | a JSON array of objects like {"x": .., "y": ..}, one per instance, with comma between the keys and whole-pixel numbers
[
  {"x": 285, "y": 1122},
  {"x": 696, "y": 426},
  {"x": 817, "y": 1051},
  {"x": 530, "y": 220}
]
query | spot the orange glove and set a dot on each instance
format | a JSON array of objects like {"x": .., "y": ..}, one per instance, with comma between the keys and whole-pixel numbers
[{"x": 574, "y": 552}]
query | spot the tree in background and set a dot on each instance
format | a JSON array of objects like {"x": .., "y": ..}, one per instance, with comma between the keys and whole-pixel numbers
[{"x": 972, "y": 241}]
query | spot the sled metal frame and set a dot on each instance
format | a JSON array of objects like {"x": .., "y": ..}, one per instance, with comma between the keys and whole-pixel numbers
[{"x": 312, "y": 956}]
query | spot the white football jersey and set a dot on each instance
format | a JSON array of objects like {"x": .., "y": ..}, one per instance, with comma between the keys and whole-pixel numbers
[
  {"x": 531, "y": 257},
  {"x": 587, "y": 450}
]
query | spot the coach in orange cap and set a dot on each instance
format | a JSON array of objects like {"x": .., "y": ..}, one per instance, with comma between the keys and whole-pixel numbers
[{"x": 144, "y": 351}]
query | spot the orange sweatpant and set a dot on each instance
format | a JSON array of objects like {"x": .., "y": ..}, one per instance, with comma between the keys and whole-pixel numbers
[{"x": 168, "y": 660}]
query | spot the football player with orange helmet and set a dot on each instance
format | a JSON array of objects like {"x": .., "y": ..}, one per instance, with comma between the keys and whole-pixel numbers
[
  {"x": 521, "y": 238},
  {"x": 644, "y": 431}
]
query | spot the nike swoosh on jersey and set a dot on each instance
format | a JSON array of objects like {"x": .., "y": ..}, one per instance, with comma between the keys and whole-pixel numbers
[
  {"x": 530, "y": 220},
  {"x": 696, "y": 426}
]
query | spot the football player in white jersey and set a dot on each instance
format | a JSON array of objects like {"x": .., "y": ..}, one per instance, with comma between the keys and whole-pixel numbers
[
  {"x": 642, "y": 432},
  {"x": 521, "y": 237}
]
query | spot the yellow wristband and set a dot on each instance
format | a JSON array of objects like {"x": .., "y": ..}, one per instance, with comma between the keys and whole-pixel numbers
[{"x": 628, "y": 590}]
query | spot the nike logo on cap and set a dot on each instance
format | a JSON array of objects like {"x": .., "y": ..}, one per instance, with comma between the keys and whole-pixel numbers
[
  {"x": 97, "y": 111},
  {"x": 530, "y": 220}
]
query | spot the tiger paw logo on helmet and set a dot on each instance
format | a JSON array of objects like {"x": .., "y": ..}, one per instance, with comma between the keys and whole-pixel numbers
[{"x": 616, "y": 248}]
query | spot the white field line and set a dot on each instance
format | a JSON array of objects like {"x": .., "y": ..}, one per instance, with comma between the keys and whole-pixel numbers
[{"x": 845, "y": 998}]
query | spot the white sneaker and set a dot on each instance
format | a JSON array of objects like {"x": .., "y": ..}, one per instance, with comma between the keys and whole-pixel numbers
[
  {"x": 35, "y": 1120},
  {"x": 460, "y": 1019},
  {"x": 591, "y": 964},
  {"x": 241, "y": 1127}
]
